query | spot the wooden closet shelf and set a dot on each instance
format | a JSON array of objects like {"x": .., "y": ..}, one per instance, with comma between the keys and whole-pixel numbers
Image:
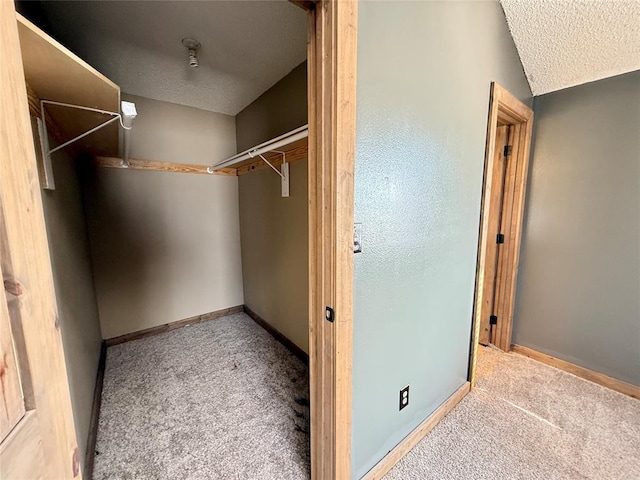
[
  {"x": 292, "y": 144},
  {"x": 296, "y": 151},
  {"x": 154, "y": 165},
  {"x": 299, "y": 153},
  {"x": 55, "y": 73}
]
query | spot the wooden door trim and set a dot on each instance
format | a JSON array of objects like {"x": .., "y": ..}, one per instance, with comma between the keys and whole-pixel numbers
[
  {"x": 26, "y": 264},
  {"x": 504, "y": 109},
  {"x": 332, "y": 91}
]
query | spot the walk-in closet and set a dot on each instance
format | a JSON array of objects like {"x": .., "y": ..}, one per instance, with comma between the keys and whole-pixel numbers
[{"x": 172, "y": 143}]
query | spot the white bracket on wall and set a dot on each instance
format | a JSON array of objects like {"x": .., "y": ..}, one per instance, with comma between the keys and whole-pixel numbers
[
  {"x": 47, "y": 182},
  {"x": 283, "y": 172},
  {"x": 126, "y": 118},
  {"x": 266, "y": 147}
]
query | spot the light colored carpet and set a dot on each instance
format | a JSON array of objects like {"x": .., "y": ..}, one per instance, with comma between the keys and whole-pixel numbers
[
  {"x": 217, "y": 400},
  {"x": 224, "y": 400},
  {"x": 527, "y": 420}
]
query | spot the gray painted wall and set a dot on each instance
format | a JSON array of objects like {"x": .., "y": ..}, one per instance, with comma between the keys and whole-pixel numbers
[
  {"x": 275, "y": 250},
  {"x": 578, "y": 294},
  {"x": 166, "y": 246},
  {"x": 75, "y": 294},
  {"x": 424, "y": 73},
  {"x": 279, "y": 110},
  {"x": 273, "y": 229}
]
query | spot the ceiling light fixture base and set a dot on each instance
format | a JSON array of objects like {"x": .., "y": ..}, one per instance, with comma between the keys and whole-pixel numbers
[{"x": 192, "y": 46}]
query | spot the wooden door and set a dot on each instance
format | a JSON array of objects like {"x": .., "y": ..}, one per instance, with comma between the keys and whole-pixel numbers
[
  {"x": 493, "y": 264},
  {"x": 497, "y": 267},
  {"x": 37, "y": 437}
]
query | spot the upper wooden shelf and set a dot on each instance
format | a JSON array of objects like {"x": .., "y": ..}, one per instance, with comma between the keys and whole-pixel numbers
[
  {"x": 297, "y": 150},
  {"x": 53, "y": 72}
]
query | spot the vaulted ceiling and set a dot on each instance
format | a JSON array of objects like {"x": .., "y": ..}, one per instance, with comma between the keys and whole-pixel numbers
[
  {"x": 246, "y": 46},
  {"x": 563, "y": 43}
]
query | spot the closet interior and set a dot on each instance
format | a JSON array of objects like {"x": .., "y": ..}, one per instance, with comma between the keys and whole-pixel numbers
[{"x": 172, "y": 140}]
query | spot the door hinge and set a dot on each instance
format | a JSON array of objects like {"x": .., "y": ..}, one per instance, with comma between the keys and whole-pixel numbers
[
  {"x": 507, "y": 150},
  {"x": 493, "y": 320},
  {"x": 329, "y": 314},
  {"x": 500, "y": 238}
]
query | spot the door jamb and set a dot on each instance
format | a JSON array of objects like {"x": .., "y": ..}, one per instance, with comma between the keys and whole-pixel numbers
[
  {"x": 331, "y": 80},
  {"x": 504, "y": 109}
]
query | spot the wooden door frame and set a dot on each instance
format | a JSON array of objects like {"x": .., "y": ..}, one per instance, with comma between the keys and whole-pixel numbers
[
  {"x": 504, "y": 109},
  {"x": 332, "y": 69},
  {"x": 28, "y": 278}
]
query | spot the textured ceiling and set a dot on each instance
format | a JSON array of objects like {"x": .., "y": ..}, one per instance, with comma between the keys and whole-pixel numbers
[
  {"x": 564, "y": 43},
  {"x": 246, "y": 46}
]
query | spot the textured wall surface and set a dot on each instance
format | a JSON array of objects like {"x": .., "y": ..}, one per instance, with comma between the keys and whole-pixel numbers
[
  {"x": 275, "y": 250},
  {"x": 75, "y": 294},
  {"x": 274, "y": 230},
  {"x": 279, "y": 110},
  {"x": 578, "y": 294},
  {"x": 166, "y": 246},
  {"x": 563, "y": 44},
  {"x": 424, "y": 73}
]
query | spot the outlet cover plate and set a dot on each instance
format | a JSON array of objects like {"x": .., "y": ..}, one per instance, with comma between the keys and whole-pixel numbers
[{"x": 404, "y": 397}]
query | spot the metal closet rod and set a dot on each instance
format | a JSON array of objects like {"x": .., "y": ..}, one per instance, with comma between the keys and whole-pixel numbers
[{"x": 268, "y": 146}]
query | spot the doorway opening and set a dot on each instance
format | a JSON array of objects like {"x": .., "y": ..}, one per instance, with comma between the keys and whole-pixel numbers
[
  {"x": 329, "y": 203},
  {"x": 509, "y": 132}
]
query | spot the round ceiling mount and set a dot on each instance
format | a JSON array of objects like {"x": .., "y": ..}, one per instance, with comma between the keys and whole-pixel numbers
[{"x": 193, "y": 46}]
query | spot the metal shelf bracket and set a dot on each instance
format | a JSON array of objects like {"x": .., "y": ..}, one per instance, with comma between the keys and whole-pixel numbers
[
  {"x": 126, "y": 119},
  {"x": 283, "y": 172}
]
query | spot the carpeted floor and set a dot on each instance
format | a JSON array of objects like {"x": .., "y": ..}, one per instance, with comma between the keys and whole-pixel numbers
[
  {"x": 217, "y": 400},
  {"x": 526, "y": 420},
  {"x": 224, "y": 400}
]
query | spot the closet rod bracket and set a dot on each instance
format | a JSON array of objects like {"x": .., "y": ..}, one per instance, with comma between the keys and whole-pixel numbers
[{"x": 283, "y": 172}]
